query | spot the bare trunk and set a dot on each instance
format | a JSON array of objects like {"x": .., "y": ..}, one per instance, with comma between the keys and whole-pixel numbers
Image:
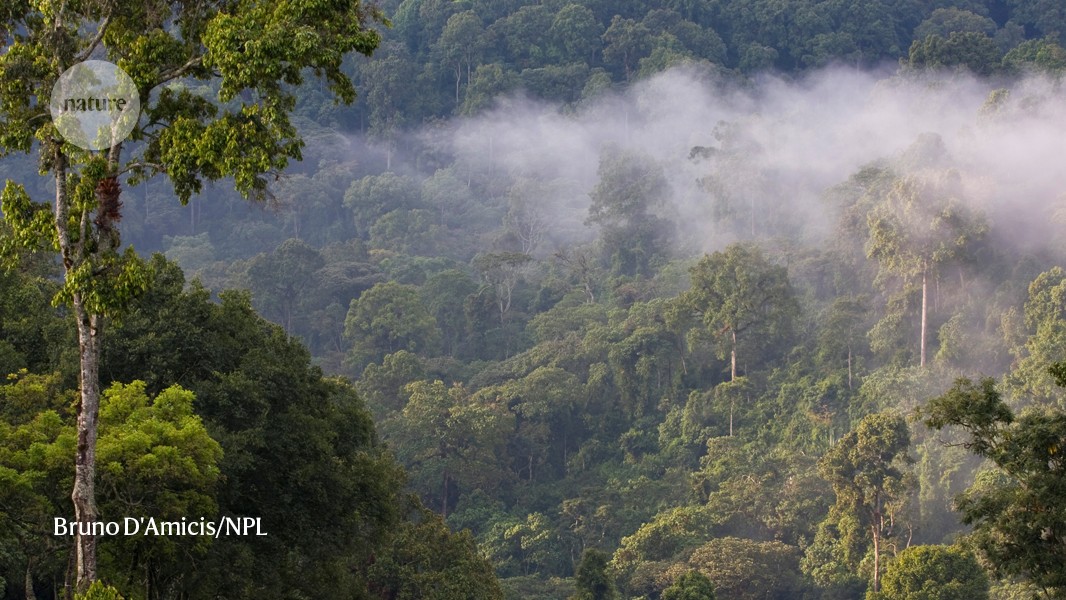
[
  {"x": 732, "y": 403},
  {"x": 84, "y": 494},
  {"x": 458, "y": 80},
  {"x": 877, "y": 556},
  {"x": 30, "y": 595},
  {"x": 733, "y": 358},
  {"x": 849, "y": 366},
  {"x": 925, "y": 294},
  {"x": 75, "y": 252}
]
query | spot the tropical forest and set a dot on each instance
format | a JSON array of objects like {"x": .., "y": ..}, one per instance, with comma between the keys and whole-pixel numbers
[{"x": 533, "y": 300}]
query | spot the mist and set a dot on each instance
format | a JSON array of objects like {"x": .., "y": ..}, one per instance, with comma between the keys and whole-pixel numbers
[{"x": 791, "y": 141}]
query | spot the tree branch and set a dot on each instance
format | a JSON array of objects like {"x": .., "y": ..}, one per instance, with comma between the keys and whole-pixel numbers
[
  {"x": 179, "y": 71},
  {"x": 93, "y": 43}
]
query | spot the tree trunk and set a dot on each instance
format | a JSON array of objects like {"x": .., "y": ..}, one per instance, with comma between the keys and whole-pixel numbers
[
  {"x": 84, "y": 494},
  {"x": 75, "y": 252},
  {"x": 458, "y": 80},
  {"x": 30, "y": 595},
  {"x": 925, "y": 295},
  {"x": 849, "y": 366},
  {"x": 875, "y": 532},
  {"x": 732, "y": 403},
  {"x": 733, "y": 358}
]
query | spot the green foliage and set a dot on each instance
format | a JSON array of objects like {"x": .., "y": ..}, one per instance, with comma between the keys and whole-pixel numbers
[
  {"x": 36, "y": 455},
  {"x": 744, "y": 301},
  {"x": 592, "y": 580},
  {"x": 99, "y": 591},
  {"x": 387, "y": 318},
  {"x": 625, "y": 204},
  {"x": 867, "y": 471},
  {"x": 280, "y": 279},
  {"x": 972, "y": 50},
  {"x": 155, "y": 460},
  {"x": 1016, "y": 508},
  {"x": 300, "y": 450},
  {"x": 690, "y": 586},
  {"x": 423, "y": 559},
  {"x": 1045, "y": 325},
  {"x": 1037, "y": 55},
  {"x": 747, "y": 569},
  {"x": 933, "y": 573},
  {"x": 373, "y": 196},
  {"x": 450, "y": 441}
]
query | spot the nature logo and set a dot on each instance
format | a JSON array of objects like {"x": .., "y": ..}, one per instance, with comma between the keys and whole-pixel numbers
[{"x": 95, "y": 105}]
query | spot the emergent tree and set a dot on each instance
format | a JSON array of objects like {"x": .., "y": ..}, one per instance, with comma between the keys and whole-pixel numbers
[{"x": 256, "y": 53}]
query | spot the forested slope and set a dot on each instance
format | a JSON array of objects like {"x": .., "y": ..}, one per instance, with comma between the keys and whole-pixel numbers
[{"x": 625, "y": 293}]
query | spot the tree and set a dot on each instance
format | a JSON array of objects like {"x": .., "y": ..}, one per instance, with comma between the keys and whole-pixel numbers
[
  {"x": 424, "y": 560},
  {"x": 280, "y": 278},
  {"x": 973, "y": 50},
  {"x": 866, "y": 471},
  {"x": 626, "y": 203},
  {"x": 575, "y": 33},
  {"x": 500, "y": 272},
  {"x": 450, "y": 441},
  {"x": 748, "y": 570},
  {"x": 375, "y": 195},
  {"x": 543, "y": 403},
  {"x": 386, "y": 82},
  {"x": 742, "y": 299},
  {"x": 920, "y": 225},
  {"x": 300, "y": 450},
  {"x": 690, "y": 586},
  {"x": 933, "y": 573},
  {"x": 592, "y": 580},
  {"x": 945, "y": 21},
  {"x": 157, "y": 461},
  {"x": 36, "y": 450},
  {"x": 625, "y": 43},
  {"x": 1017, "y": 509},
  {"x": 1037, "y": 55},
  {"x": 258, "y": 54},
  {"x": 460, "y": 45},
  {"x": 1045, "y": 322},
  {"x": 385, "y": 319}
]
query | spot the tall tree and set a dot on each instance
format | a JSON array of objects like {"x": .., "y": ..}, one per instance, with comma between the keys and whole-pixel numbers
[
  {"x": 460, "y": 45},
  {"x": 919, "y": 226},
  {"x": 741, "y": 297},
  {"x": 627, "y": 204},
  {"x": 1045, "y": 322},
  {"x": 867, "y": 471},
  {"x": 257, "y": 51}
]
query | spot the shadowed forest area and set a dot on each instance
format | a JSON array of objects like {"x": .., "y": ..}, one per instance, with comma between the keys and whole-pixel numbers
[{"x": 683, "y": 300}]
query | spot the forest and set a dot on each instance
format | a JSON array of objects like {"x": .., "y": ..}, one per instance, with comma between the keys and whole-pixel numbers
[{"x": 556, "y": 300}]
